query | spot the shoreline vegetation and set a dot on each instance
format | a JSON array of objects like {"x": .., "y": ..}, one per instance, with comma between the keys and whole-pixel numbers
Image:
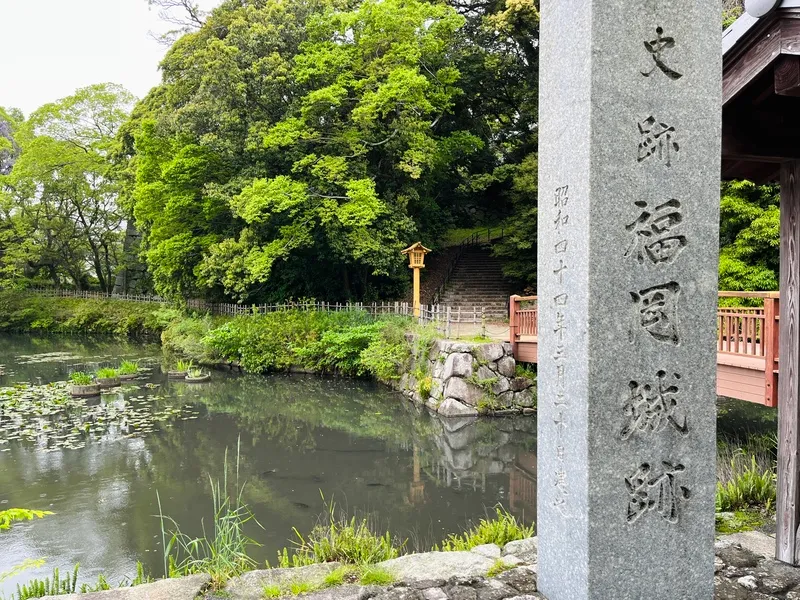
[{"x": 353, "y": 344}]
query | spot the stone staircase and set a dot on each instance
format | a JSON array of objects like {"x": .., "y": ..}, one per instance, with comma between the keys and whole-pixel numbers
[{"x": 477, "y": 282}]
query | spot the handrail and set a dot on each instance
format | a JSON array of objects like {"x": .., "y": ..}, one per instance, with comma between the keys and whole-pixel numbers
[{"x": 749, "y": 336}]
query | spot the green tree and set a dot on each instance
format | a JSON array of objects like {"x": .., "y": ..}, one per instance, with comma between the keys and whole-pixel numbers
[
  {"x": 58, "y": 202},
  {"x": 295, "y": 148},
  {"x": 749, "y": 236}
]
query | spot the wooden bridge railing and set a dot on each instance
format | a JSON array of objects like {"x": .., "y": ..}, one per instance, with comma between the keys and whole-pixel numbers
[{"x": 743, "y": 333}]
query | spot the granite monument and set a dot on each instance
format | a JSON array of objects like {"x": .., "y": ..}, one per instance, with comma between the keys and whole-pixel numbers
[{"x": 629, "y": 169}]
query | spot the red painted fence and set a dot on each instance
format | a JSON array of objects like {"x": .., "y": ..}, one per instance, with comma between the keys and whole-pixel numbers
[{"x": 747, "y": 343}]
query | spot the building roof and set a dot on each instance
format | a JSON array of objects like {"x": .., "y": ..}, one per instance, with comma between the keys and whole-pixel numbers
[{"x": 747, "y": 23}]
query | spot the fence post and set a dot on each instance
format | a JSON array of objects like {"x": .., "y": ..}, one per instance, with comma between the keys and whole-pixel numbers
[
  {"x": 483, "y": 321},
  {"x": 513, "y": 322},
  {"x": 770, "y": 341},
  {"x": 447, "y": 327}
]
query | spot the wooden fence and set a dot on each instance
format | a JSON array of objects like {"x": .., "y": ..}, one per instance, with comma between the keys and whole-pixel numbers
[{"x": 466, "y": 321}]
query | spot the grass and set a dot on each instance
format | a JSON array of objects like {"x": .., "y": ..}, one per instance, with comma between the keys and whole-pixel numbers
[
  {"x": 80, "y": 378},
  {"x": 499, "y": 566},
  {"x": 339, "y": 539},
  {"x": 741, "y": 520},
  {"x": 746, "y": 473},
  {"x": 500, "y": 530},
  {"x": 36, "y": 588},
  {"x": 526, "y": 371},
  {"x": 106, "y": 373},
  {"x": 221, "y": 552}
]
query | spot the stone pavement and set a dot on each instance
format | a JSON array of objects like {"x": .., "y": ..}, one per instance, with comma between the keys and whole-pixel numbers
[{"x": 745, "y": 569}]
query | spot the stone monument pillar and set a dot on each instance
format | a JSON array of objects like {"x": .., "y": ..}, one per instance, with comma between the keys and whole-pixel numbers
[{"x": 629, "y": 170}]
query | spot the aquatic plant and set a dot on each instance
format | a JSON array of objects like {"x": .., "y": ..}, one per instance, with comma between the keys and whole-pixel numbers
[
  {"x": 80, "y": 378},
  {"x": 221, "y": 552},
  {"x": 8, "y": 516},
  {"x": 500, "y": 530},
  {"x": 336, "y": 538},
  {"x": 106, "y": 373},
  {"x": 184, "y": 365},
  {"x": 128, "y": 367},
  {"x": 195, "y": 373},
  {"x": 49, "y": 417},
  {"x": 36, "y": 588}
]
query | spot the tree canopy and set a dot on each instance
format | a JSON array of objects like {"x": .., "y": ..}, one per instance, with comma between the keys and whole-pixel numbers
[
  {"x": 294, "y": 148},
  {"x": 60, "y": 220}
]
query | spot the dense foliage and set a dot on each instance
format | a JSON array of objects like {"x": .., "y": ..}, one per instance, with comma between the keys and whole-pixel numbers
[
  {"x": 295, "y": 148},
  {"x": 350, "y": 343},
  {"x": 29, "y": 312},
  {"x": 59, "y": 219},
  {"x": 749, "y": 237}
]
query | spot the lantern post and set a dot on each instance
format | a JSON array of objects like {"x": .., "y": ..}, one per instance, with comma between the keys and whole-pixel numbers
[{"x": 416, "y": 261}]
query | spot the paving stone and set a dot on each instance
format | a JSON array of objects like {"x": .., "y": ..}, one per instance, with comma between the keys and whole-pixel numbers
[
  {"x": 461, "y": 592},
  {"x": 250, "y": 585},
  {"x": 737, "y": 556},
  {"x": 453, "y": 408},
  {"x": 434, "y": 594},
  {"x": 458, "y": 365},
  {"x": 526, "y": 550},
  {"x": 437, "y": 565},
  {"x": 494, "y": 590},
  {"x": 522, "y": 579},
  {"x": 181, "y": 588},
  {"x": 487, "y": 550}
]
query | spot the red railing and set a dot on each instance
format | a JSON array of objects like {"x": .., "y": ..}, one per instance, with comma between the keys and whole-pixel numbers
[{"x": 750, "y": 332}]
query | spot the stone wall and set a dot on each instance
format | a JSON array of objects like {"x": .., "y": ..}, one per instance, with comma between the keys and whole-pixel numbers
[{"x": 459, "y": 379}]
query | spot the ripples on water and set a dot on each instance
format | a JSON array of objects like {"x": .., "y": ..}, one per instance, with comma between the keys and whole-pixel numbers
[{"x": 302, "y": 438}]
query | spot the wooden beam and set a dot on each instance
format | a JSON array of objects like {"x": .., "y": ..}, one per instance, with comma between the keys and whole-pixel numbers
[
  {"x": 751, "y": 63},
  {"x": 739, "y": 144},
  {"x": 788, "y": 502},
  {"x": 787, "y": 76}
]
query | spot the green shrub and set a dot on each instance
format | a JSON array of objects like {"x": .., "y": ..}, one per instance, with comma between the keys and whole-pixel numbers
[
  {"x": 80, "y": 378},
  {"x": 186, "y": 337},
  {"x": 23, "y": 311},
  {"x": 500, "y": 530},
  {"x": 388, "y": 356},
  {"x": 106, "y": 373},
  {"x": 526, "y": 371}
]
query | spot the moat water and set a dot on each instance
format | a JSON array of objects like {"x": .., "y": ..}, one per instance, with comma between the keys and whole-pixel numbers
[{"x": 304, "y": 441}]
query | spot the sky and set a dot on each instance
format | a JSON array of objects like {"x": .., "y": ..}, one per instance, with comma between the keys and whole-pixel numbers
[{"x": 53, "y": 47}]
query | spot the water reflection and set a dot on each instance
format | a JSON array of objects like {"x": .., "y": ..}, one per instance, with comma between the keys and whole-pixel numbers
[{"x": 302, "y": 438}]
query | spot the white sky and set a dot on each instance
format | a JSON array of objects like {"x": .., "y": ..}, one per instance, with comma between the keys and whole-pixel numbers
[{"x": 52, "y": 47}]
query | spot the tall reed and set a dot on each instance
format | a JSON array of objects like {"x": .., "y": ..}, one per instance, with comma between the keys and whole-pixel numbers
[{"x": 221, "y": 552}]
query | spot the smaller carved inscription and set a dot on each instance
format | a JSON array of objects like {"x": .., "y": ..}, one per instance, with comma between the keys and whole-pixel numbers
[
  {"x": 651, "y": 406},
  {"x": 657, "y": 312},
  {"x": 650, "y": 490},
  {"x": 653, "y": 236},
  {"x": 657, "y": 140},
  {"x": 656, "y": 49}
]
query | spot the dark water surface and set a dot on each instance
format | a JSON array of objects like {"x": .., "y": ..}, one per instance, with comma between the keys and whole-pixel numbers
[{"x": 302, "y": 438}]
